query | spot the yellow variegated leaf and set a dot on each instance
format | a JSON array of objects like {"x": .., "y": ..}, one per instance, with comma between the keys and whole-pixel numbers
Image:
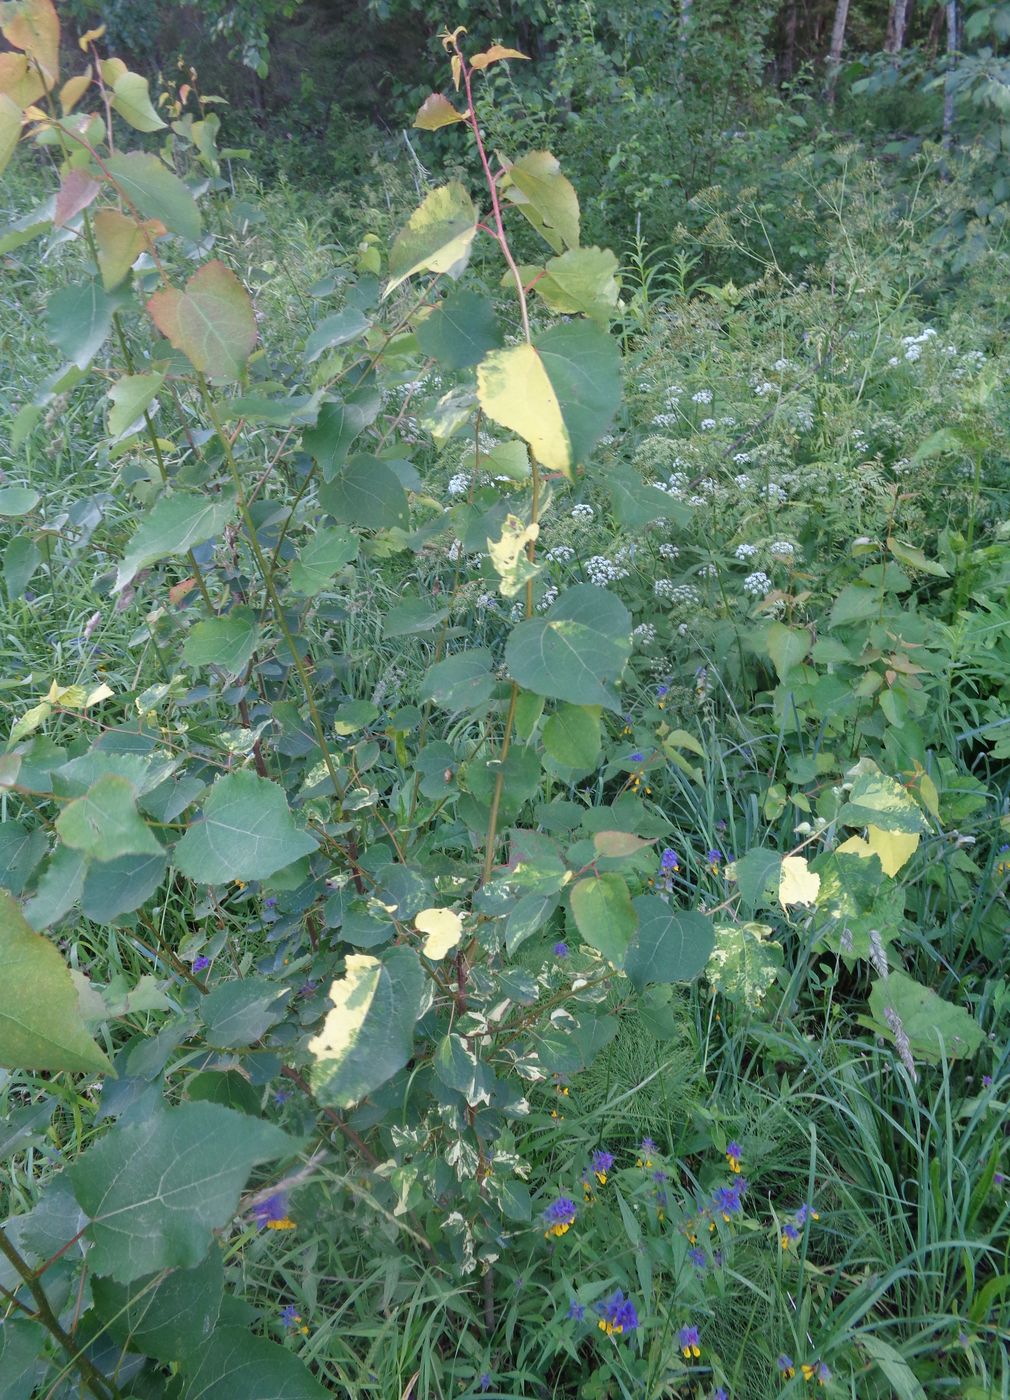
[
  {"x": 797, "y": 883},
  {"x": 10, "y": 128},
  {"x": 444, "y": 929},
  {"x": 895, "y": 848},
  {"x": 89, "y": 36}
]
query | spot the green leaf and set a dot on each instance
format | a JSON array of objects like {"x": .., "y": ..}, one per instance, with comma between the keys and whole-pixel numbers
[
  {"x": 527, "y": 917},
  {"x": 536, "y": 186},
  {"x": 637, "y": 502},
  {"x": 116, "y": 887},
  {"x": 212, "y": 321},
  {"x": 17, "y": 500},
  {"x": 559, "y": 394},
  {"x": 461, "y": 682},
  {"x": 757, "y": 875},
  {"x": 583, "y": 282},
  {"x": 576, "y": 650},
  {"x": 935, "y": 1029},
  {"x": 367, "y": 492},
  {"x": 226, "y": 642},
  {"x": 175, "y": 525},
  {"x": 459, "y": 1069},
  {"x": 10, "y": 129},
  {"x": 369, "y": 1034},
  {"x": 105, "y": 824},
  {"x": 132, "y": 100},
  {"x": 131, "y": 397},
  {"x": 167, "y": 1317},
  {"x": 915, "y": 559},
  {"x": 876, "y": 799},
  {"x": 326, "y": 553},
  {"x": 572, "y": 736},
  {"x": 437, "y": 238},
  {"x": 155, "y": 192},
  {"x": 234, "y": 1364},
  {"x": 787, "y": 647},
  {"x": 744, "y": 962},
  {"x": 156, "y": 1189},
  {"x": 336, "y": 428},
  {"x": 120, "y": 242},
  {"x": 59, "y": 888},
  {"x": 78, "y": 318},
  {"x": 246, "y": 833},
  {"x": 460, "y": 331},
  {"x": 21, "y": 558},
  {"x": 604, "y": 915},
  {"x": 23, "y": 1364},
  {"x": 412, "y": 616},
  {"x": 339, "y": 329},
  {"x": 241, "y": 1011},
  {"x": 671, "y": 945},
  {"x": 41, "y": 1028}
]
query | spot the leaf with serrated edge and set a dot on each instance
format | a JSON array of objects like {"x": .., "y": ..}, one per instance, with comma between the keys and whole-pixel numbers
[
  {"x": 157, "y": 1188},
  {"x": 41, "y": 1028},
  {"x": 247, "y": 832},
  {"x": 212, "y": 321},
  {"x": 437, "y": 237}
]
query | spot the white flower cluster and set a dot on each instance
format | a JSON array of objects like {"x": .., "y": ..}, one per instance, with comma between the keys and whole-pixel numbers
[
  {"x": 782, "y": 365},
  {"x": 668, "y": 551},
  {"x": 763, "y": 387},
  {"x": 782, "y": 549},
  {"x": 455, "y": 552},
  {"x": 707, "y": 424},
  {"x": 485, "y": 601},
  {"x": 683, "y": 593},
  {"x": 708, "y": 486},
  {"x": 674, "y": 484},
  {"x": 459, "y": 483},
  {"x": 644, "y": 634},
  {"x": 757, "y": 584},
  {"x": 560, "y": 554},
  {"x": 672, "y": 395},
  {"x": 728, "y": 421},
  {"x": 602, "y": 570},
  {"x": 742, "y": 481},
  {"x": 971, "y": 362},
  {"x": 776, "y": 494},
  {"x": 803, "y": 417},
  {"x": 550, "y": 596},
  {"x": 583, "y": 512},
  {"x": 665, "y": 420},
  {"x": 708, "y": 571},
  {"x": 741, "y": 458},
  {"x": 745, "y": 551},
  {"x": 702, "y": 396},
  {"x": 913, "y": 343}
]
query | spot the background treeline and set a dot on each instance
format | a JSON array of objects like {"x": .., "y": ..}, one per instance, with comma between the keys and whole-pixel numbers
[{"x": 651, "y": 102}]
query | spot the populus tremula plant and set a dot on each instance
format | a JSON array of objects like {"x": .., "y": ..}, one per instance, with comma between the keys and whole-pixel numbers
[{"x": 391, "y": 928}]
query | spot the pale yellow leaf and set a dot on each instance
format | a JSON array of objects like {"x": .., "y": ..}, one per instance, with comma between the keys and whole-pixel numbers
[
  {"x": 444, "y": 929},
  {"x": 894, "y": 848},
  {"x": 856, "y": 846},
  {"x": 101, "y": 692},
  {"x": 798, "y": 884},
  {"x": 515, "y": 391},
  {"x": 89, "y": 36}
]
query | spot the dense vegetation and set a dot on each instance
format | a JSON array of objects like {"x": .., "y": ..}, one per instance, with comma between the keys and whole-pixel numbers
[{"x": 504, "y": 833}]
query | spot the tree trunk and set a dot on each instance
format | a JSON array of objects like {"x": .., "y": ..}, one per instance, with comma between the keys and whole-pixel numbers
[
  {"x": 896, "y": 19},
  {"x": 789, "y": 52},
  {"x": 837, "y": 43},
  {"x": 948, "y": 87}
]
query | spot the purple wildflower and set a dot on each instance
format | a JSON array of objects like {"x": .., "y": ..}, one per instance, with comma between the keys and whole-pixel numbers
[
  {"x": 561, "y": 949},
  {"x": 601, "y": 1162},
  {"x": 617, "y": 1315},
  {"x": 576, "y": 1310},
  {"x": 200, "y": 964},
  {"x": 689, "y": 1343},
  {"x": 698, "y": 1257},
  {"x": 669, "y": 861},
  {"x": 559, "y": 1216},
  {"x": 272, "y": 1212}
]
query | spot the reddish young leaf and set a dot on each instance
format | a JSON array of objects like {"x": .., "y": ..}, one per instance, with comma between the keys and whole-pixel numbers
[{"x": 76, "y": 193}]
